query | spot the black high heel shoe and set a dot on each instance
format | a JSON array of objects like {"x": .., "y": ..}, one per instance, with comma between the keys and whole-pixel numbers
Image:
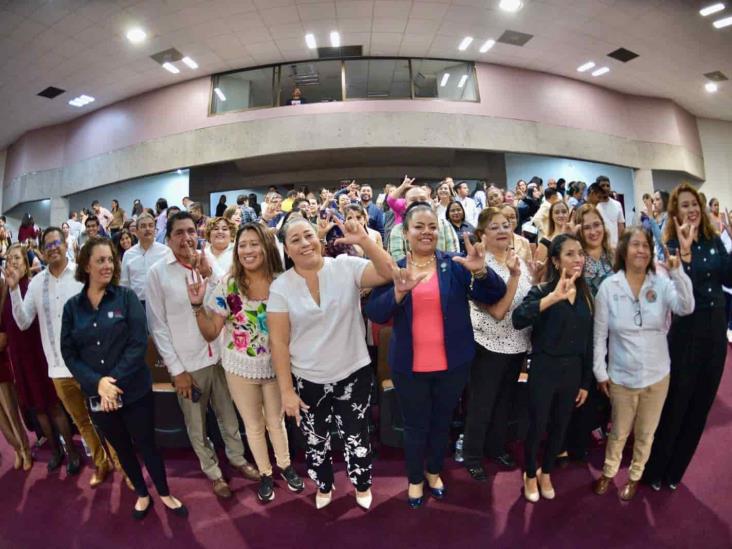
[
  {"x": 55, "y": 461},
  {"x": 181, "y": 511},
  {"x": 415, "y": 503}
]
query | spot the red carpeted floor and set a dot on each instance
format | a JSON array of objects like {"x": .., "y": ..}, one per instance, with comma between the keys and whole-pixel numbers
[{"x": 50, "y": 510}]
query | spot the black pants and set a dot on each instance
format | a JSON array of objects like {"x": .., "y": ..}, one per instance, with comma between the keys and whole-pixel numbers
[
  {"x": 347, "y": 403},
  {"x": 553, "y": 386},
  {"x": 427, "y": 401},
  {"x": 595, "y": 412},
  {"x": 698, "y": 348},
  {"x": 491, "y": 391},
  {"x": 134, "y": 425}
]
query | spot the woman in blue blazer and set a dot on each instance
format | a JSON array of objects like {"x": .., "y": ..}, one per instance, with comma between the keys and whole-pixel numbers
[{"x": 432, "y": 340}]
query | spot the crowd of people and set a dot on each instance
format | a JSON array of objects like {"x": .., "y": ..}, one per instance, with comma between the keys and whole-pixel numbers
[{"x": 266, "y": 311}]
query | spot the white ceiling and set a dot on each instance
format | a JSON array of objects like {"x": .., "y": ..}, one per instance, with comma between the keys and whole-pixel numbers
[{"x": 79, "y": 45}]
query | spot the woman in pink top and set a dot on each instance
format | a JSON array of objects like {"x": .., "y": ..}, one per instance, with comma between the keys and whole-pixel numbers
[{"x": 432, "y": 340}]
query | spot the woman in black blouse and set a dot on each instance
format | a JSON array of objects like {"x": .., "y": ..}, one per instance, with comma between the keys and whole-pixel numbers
[
  {"x": 560, "y": 312},
  {"x": 697, "y": 343},
  {"x": 103, "y": 343},
  {"x": 455, "y": 215}
]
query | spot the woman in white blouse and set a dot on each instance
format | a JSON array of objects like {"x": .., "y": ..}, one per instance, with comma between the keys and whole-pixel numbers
[
  {"x": 319, "y": 352},
  {"x": 500, "y": 349},
  {"x": 220, "y": 236},
  {"x": 238, "y": 306},
  {"x": 632, "y": 310}
]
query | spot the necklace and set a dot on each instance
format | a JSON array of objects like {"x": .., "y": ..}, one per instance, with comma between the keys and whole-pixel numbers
[{"x": 430, "y": 261}]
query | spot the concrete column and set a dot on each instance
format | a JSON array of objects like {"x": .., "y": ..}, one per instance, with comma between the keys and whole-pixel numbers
[
  {"x": 642, "y": 183},
  {"x": 59, "y": 210}
]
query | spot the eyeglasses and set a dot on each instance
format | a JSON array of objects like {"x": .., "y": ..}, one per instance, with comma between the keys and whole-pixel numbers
[
  {"x": 52, "y": 245},
  {"x": 638, "y": 317}
]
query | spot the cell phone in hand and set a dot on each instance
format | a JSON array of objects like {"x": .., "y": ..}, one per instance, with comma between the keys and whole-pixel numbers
[
  {"x": 95, "y": 403},
  {"x": 195, "y": 394}
]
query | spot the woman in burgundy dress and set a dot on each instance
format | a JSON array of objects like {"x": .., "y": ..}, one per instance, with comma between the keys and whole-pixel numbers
[
  {"x": 35, "y": 390},
  {"x": 10, "y": 423}
]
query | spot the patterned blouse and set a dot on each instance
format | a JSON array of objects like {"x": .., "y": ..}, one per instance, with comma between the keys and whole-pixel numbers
[
  {"x": 245, "y": 342},
  {"x": 499, "y": 336},
  {"x": 597, "y": 270}
]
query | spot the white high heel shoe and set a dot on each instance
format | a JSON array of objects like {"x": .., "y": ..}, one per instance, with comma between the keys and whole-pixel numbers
[
  {"x": 546, "y": 494},
  {"x": 323, "y": 500},
  {"x": 364, "y": 500}
]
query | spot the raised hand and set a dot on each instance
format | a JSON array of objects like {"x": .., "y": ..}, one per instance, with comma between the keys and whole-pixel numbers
[
  {"x": 686, "y": 233},
  {"x": 325, "y": 225},
  {"x": 671, "y": 262},
  {"x": 513, "y": 263},
  {"x": 405, "y": 280},
  {"x": 353, "y": 232},
  {"x": 196, "y": 288},
  {"x": 475, "y": 258},
  {"x": 536, "y": 268},
  {"x": 204, "y": 267},
  {"x": 12, "y": 277},
  {"x": 407, "y": 183},
  {"x": 565, "y": 288}
]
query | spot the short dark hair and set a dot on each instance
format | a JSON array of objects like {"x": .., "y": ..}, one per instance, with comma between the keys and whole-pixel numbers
[
  {"x": 298, "y": 201},
  {"x": 95, "y": 203},
  {"x": 179, "y": 216},
  {"x": 195, "y": 206},
  {"x": 93, "y": 218},
  {"x": 161, "y": 205},
  {"x": 549, "y": 192},
  {"x": 49, "y": 230},
  {"x": 537, "y": 180},
  {"x": 602, "y": 179},
  {"x": 460, "y": 184},
  {"x": 450, "y": 205},
  {"x": 664, "y": 198},
  {"x": 82, "y": 262},
  {"x": 622, "y": 248},
  {"x": 241, "y": 199},
  {"x": 292, "y": 193},
  {"x": 594, "y": 188}
]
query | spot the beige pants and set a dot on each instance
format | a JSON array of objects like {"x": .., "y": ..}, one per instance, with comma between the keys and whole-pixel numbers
[
  {"x": 260, "y": 408},
  {"x": 10, "y": 423},
  {"x": 213, "y": 387},
  {"x": 70, "y": 395},
  {"x": 641, "y": 407}
]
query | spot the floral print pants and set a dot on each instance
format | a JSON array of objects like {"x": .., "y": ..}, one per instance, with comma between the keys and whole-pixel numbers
[{"x": 346, "y": 403}]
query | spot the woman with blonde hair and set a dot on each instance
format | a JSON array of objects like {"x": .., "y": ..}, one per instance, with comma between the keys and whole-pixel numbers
[
  {"x": 238, "y": 305},
  {"x": 697, "y": 343}
]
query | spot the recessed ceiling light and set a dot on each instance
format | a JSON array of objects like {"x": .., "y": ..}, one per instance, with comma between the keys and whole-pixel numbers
[
  {"x": 335, "y": 39},
  {"x": 721, "y": 23},
  {"x": 171, "y": 68},
  {"x": 136, "y": 35},
  {"x": 219, "y": 94},
  {"x": 81, "y": 101},
  {"x": 711, "y": 87},
  {"x": 600, "y": 72},
  {"x": 445, "y": 78},
  {"x": 510, "y": 5},
  {"x": 587, "y": 66},
  {"x": 190, "y": 62},
  {"x": 179, "y": 171},
  {"x": 488, "y": 44},
  {"x": 310, "y": 41},
  {"x": 463, "y": 79},
  {"x": 709, "y": 10},
  {"x": 465, "y": 43}
]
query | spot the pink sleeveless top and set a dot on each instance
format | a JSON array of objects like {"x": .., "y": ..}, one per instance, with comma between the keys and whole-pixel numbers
[{"x": 428, "y": 331}]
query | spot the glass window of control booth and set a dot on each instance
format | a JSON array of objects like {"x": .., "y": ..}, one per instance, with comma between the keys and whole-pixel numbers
[
  {"x": 316, "y": 82},
  {"x": 378, "y": 79},
  {"x": 452, "y": 80},
  {"x": 243, "y": 90}
]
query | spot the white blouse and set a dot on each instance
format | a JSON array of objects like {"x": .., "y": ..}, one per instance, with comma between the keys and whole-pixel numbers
[{"x": 499, "y": 336}]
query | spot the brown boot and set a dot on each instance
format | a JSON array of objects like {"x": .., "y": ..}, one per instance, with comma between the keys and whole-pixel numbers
[
  {"x": 602, "y": 485},
  {"x": 629, "y": 490},
  {"x": 100, "y": 473},
  {"x": 221, "y": 489},
  {"x": 249, "y": 471}
]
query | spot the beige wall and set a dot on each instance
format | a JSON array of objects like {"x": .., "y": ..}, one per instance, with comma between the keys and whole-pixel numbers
[{"x": 716, "y": 140}]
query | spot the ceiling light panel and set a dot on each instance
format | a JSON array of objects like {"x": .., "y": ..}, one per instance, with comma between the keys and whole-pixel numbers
[
  {"x": 171, "y": 68},
  {"x": 136, "y": 35},
  {"x": 335, "y": 39},
  {"x": 587, "y": 66},
  {"x": 465, "y": 43},
  {"x": 488, "y": 44},
  {"x": 709, "y": 10},
  {"x": 81, "y": 101},
  {"x": 721, "y": 23},
  {"x": 190, "y": 62},
  {"x": 601, "y": 71},
  {"x": 310, "y": 41},
  {"x": 510, "y": 5},
  {"x": 711, "y": 87}
]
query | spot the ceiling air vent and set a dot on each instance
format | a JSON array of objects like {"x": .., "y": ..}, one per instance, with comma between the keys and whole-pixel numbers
[
  {"x": 716, "y": 76},
  {"x": 343, "y": 51},
  {"x": 621, "y": 54},
  {"x": 51, "y": 92},
  {"x": 515, "y": 38},
  {"x": 167, "y": 56}
]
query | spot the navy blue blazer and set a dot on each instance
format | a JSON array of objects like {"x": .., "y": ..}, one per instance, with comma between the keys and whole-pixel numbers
[{"x": 455, "y": 290}]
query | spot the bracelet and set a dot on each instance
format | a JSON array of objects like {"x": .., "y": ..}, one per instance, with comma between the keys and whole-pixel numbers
[
  {"x": 196, "y": 307},
  {"x": 480, "y": 275}
]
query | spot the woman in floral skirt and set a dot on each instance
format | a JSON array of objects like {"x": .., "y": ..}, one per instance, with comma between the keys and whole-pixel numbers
[{"x": 239, "y": 304}]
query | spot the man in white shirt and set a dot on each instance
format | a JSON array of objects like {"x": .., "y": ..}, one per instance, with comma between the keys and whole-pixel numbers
[
  {"x": 541, "y": 217},
  {"x": 192, "y": 361},
  {"x": 471, "y": 210},
  {"x": 47, "y": 294},
  {"x": 75, "y": 226},
  {"x": 610, "y": 209},
  {"x": 138, "y": 260}
]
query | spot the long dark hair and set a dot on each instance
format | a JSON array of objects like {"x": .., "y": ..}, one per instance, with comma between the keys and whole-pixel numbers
[
  {"x": 554, "y": 274},
  {"x": 272, "y": 259}
]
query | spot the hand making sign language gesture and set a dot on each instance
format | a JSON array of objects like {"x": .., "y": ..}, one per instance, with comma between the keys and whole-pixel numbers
[
  {"x": 407, "y": 278},
  {"x": 474, "y": 261},
  {"x": 686, "y": 234}
]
